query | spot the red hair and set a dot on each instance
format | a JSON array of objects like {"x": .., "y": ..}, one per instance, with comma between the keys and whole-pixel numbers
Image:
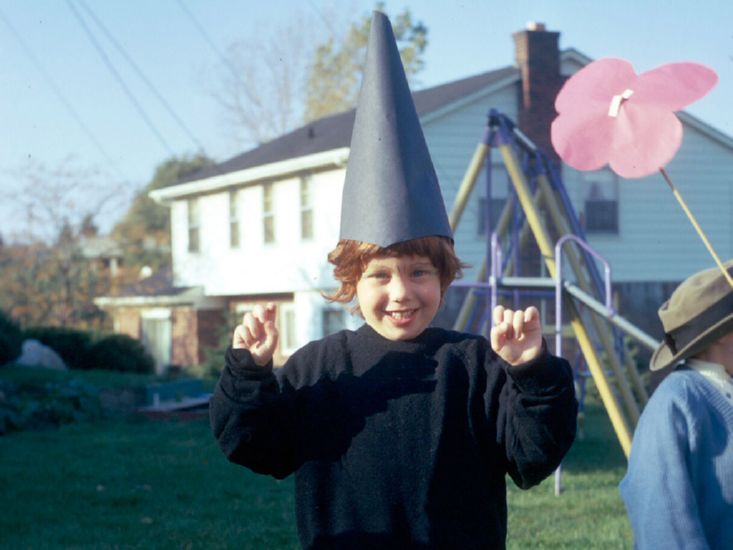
[{"x": 350, "y": 259}]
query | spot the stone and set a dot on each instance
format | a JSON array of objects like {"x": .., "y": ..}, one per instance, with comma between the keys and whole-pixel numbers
[{"x": 36, "y": 354}]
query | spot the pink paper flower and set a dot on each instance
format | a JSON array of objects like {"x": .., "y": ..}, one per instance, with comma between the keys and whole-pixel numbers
[{"x": 610, "y": 115}]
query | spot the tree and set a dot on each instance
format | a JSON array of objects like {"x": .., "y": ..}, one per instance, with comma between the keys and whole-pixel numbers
[
  {"x": 144, "y": 231},
  {"x": 47, "y": 199},
  {"x": 44, "y": 277},
  {"x": 271, "y": 85},
  {"x": 335, "y": 74},
  {"x": 263, "y": 83}
]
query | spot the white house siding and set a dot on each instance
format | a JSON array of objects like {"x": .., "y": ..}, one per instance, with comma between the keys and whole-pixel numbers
[
  {"x": 255, "y": 267},
  {"x": 452, "y": 139}
]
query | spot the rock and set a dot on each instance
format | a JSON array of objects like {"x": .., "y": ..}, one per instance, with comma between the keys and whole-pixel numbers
[{"x": 36, "y": 354}]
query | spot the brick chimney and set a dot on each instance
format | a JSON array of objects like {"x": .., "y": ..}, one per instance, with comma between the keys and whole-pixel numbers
[{"x": 538, "y": 57}]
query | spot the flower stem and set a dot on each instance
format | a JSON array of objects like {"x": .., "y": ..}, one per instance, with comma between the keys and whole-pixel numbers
[{"x": 696, "y": 225}]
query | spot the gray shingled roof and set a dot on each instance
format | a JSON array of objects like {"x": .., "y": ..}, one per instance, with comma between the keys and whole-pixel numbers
[{"x": 334, "y": 131}]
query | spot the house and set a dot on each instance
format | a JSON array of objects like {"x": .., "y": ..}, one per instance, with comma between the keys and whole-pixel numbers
[{"x": 258, "y": 227}]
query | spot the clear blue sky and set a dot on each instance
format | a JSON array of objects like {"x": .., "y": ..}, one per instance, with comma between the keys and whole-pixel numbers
[{"x": 465, "y": 38}]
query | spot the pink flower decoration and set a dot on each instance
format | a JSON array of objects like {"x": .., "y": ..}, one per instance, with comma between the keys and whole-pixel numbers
[{"x": 610, "y": 115}]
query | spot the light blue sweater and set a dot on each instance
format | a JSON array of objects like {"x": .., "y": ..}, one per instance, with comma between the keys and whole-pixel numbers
[{"x": 678, "y": 488}]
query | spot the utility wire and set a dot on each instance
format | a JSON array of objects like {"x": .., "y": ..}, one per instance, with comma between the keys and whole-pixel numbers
[
  {"x": 61, "y": 97},
  {"x": 140, "y": 73},
  {"x": 325, "y": 20},
  {"x": 119, "y": 78},
  {"x": 208, "y": 39}
]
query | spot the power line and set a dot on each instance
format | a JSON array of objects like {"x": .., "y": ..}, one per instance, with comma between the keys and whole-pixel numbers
[
  {"x": 61, "y": 97},
  {"x": 119, "y": 79},
  {"x": 325, "y": 20},
  {"x": 140, "y": 73},
  {"x": 208, "y": 39}
]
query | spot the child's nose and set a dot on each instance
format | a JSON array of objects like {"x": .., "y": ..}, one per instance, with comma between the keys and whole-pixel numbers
[{"x": 399, "y": 288}]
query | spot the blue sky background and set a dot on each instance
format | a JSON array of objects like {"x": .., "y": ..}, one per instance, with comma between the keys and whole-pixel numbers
[{"x": 465, "y": 38}]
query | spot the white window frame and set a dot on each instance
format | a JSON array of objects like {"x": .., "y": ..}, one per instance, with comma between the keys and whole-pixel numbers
[
  {"x": 268, "y": 213},
  {"x": 193, "y": 219},
  {"x": 235, "y": 236},
  {"x": 288, "y": 327},
  {"x": 306, "y": 207}
]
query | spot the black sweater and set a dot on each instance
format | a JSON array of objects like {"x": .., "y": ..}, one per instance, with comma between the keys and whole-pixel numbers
[{"x": 397, "y": 444}]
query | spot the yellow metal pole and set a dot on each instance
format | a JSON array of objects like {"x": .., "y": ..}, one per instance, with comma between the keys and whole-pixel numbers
[
  {"x": 534, "y": 220},
  {"x": 601, "y": 328},
  {"x": 469, "y": 180},
  {"x": 560, "y": 220},
  {"x": 459, "y": 205}
]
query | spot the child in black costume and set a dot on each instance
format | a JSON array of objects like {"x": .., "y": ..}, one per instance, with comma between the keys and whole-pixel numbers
[
  {"x": 398, "y": 443},
  {"x": 400, "y": 435}
]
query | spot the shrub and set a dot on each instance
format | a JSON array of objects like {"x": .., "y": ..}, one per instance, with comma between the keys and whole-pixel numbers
[
  {"x": 120, "y": 352},
  {"x": 214, "y": 356},
  {"x": 71, "y": 344},
  {"x": 32, "y": 406},
  {"x": 11, "y": 339}
]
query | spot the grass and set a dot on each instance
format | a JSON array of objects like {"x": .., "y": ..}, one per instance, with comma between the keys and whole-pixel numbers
[
  {"x": 589, "y": 513},
  {"x": 140, "y": 483}
]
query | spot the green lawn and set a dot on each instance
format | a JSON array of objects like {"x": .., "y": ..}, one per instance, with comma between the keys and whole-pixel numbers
[{"x": 140, "y": 483}]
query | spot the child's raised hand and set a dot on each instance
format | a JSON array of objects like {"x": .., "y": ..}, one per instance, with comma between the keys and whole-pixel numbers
[
  {"x": 516, "y": 335},
  {"x": 258, "y": 334}
]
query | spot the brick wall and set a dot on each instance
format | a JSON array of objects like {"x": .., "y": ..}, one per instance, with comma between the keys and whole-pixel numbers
[
  {"x": 128, "y": 321},
  {"x": 210, "y": 323},
  {"x": 184, "y": 336},
  {"x": 537, "y": 55}
]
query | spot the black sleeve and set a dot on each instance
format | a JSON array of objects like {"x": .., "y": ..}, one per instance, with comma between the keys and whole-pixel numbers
[
  {"x": 251, "y": 415},
  {"x": 537, "y": 417}
]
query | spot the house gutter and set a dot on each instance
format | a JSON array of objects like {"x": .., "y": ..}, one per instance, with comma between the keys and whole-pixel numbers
[
  {"x": 193, "y": 297},
  {"x": 333, "y": 157}
]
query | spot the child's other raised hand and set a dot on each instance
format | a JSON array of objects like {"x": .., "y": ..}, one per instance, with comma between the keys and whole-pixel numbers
[
  {"x": 258, "y": 334},
  {"x": 516, "y": 335}
]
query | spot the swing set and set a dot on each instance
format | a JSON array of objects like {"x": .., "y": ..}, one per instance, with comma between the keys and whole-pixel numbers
[{"x": 569, "y": 277}]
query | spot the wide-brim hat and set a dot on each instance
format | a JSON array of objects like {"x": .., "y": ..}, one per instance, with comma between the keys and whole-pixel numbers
[{"x": 699, "y": 312}]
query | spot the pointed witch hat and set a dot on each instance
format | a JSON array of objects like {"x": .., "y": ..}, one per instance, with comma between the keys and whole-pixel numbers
[{"x": 391, "y": 192}]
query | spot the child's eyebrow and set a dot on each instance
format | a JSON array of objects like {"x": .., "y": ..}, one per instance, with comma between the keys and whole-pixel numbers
[{"x": 423, "y": 263}]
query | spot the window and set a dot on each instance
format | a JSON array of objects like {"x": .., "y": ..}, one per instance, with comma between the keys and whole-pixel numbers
[
  {"x": 234, "y": 219},
  {"x": 306, "y": 208},
  {"x": 333, "y": 321},
  {"x": 601, "y": 203},
  {"x": 496, "y": 207},
  {"x": 288, "y": 339},
  {"x": 268, "y": 214},
  {"x": 193, "y": 225},
  {"x": 601, "y": 216}
]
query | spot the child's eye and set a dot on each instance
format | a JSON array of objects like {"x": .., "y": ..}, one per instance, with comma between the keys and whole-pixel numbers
[
  {"x": 418, "y": 273},
  {"x": 378, "y": 275}
]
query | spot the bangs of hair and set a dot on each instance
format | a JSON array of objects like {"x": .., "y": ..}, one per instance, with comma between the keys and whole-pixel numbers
[{"x": 350, "y": 259}]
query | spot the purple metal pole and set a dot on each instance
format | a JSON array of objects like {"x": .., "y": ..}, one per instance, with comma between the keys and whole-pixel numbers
[
  {"x": 558, "y": 284},
  {"x": 558, "y": 306}
]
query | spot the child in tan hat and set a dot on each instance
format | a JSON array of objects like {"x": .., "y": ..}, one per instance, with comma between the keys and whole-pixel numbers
[{"x": 678, "y": 488}]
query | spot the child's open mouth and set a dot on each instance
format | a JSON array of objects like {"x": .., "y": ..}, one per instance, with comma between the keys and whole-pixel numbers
[{"x": 402, "y": 317}]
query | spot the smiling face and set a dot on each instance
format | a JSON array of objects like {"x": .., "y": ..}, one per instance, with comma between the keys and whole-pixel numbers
[{"x": 399, "y": 296}]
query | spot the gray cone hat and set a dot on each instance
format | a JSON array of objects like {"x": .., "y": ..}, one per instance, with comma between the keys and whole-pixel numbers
[
  {"x": 699, "y": 312},
  {"x": 391, "y": 192}
]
